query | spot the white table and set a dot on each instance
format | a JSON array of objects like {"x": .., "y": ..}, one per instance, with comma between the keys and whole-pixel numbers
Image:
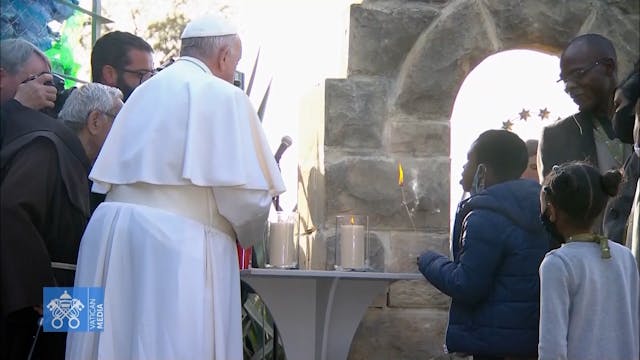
[{"x": 318, "y": 312}]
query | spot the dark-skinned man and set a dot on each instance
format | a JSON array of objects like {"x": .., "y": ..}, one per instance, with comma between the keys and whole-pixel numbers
[{"x": 588, "y": 68}]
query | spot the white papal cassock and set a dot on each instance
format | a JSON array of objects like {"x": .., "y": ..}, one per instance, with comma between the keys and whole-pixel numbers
[{"x": 186, "y": 168}]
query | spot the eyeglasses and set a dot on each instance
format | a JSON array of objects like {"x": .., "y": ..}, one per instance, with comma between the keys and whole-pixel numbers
[
  {"x": 578, "y": 74},
  {"x": 143, "y": 75}
]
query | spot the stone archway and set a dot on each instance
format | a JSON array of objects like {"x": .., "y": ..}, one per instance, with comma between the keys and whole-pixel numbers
[
  {"x": 444, "y": 55},
  {"x": 407, "y": 61}
]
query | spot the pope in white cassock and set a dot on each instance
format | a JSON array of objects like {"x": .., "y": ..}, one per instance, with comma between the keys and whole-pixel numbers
[{"x": 187, "y": 170}]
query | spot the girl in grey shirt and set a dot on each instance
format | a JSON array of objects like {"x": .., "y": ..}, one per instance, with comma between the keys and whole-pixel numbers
[{"x": 589, "y": 300}]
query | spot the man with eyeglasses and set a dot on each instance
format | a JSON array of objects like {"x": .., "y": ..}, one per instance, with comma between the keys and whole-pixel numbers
[
  {"x": 123, "y": 60},
  {"x": 588, "y": 67},
  {"x": 44, "y": 201}
]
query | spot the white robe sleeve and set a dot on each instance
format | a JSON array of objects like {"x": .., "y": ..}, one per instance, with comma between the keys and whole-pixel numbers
[{"x": 246, "y": 210}]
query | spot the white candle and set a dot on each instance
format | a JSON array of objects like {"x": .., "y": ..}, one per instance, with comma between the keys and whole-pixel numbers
[
  {"x": 352, "y": 246},
  {"x": 282, "y": 250}
]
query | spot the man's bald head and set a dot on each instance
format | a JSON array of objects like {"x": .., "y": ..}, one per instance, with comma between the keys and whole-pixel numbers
[
  {"x": 588, "y": 68},
  {"x": 596, "y": 44}
]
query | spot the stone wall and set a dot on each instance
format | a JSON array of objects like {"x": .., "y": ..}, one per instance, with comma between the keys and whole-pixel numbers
[{"x": 407, "y": 60}]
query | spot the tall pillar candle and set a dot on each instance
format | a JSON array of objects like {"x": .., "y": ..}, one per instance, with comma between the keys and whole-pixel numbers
[
  {"x": 282, "y": 249},
  {"x": 352, "y": 246}
]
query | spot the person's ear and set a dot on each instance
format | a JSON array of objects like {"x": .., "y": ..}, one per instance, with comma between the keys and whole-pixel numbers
[
  {"x": 94, "y": 122},
  {"x": 218, "y": 62},
  {"x": 109, "y": 75},
  {"x": 225, "y": 56}
]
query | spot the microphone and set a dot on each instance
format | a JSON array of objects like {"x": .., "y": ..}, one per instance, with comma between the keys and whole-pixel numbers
[{"x": 285, "y": 143}]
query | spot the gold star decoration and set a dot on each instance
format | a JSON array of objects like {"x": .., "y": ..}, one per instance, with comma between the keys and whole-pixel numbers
[
  {"x": 507, "y": 125},
  {"x": 544, "y": 114},
  {"x": 524, "y": 114}
]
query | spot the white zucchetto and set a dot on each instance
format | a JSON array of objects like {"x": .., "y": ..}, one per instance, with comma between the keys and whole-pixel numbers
[{"x": 208, "y": 25}]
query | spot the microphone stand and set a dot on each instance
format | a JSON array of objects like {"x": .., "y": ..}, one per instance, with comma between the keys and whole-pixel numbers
[
  {"x": 274, "y": 352},
  {"x": 276, "y": 204},
  {"x": 276, "y": 199}
]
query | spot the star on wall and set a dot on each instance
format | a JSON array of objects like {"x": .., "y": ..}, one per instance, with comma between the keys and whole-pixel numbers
[
  {"x": 524, "y": 114},
  {"x": 544, "y": 114}
]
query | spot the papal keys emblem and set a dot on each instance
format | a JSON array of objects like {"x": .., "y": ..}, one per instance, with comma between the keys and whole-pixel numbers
[{"x": 65, "y": 307}]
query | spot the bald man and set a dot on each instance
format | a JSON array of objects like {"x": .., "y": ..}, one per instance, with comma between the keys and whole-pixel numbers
[{"x": 588, "y": 68}]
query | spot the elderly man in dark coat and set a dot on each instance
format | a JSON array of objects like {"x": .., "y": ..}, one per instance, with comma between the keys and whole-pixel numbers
[{"x": 44, "y": 197}]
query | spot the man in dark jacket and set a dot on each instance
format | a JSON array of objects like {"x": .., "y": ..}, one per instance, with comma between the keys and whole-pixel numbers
[
  {"x": 588, "y": 67},
  {"x": 498, "y": 244}
]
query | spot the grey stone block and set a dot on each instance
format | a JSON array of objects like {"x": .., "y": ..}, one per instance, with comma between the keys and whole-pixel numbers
[
  {"x": 417, "y": 294},
  {"x": 406, "y": 246},
  {"x": 545, "y": 24},
  {"x": 369, "y": 186},
  {"x": 399, "y": 334},
  {"x": 441, "y": 58},
  {"x": 425, "y": 138},
  {"x": 355, "y": 111},
  {"x": 380, "y": 301},
  {"x": 380, "y": 36}
]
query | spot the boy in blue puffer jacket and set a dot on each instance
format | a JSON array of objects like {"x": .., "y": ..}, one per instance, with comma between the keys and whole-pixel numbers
[{"x": 498, "y": 244}]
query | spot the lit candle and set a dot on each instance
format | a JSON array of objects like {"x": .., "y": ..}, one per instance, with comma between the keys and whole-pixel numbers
[
  {"x": 352, "y": 246},
  {"x": 282, "y": 250}
]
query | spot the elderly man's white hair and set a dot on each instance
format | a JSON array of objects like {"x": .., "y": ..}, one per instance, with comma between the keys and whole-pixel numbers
[
  {"x": 205, "y": 46},
  {"x": 14, "y": 53},
  {"x": 82, "y": 101}
]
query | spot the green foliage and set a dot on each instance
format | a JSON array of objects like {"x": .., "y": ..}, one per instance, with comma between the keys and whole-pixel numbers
[{"x": 61, "y": 52}]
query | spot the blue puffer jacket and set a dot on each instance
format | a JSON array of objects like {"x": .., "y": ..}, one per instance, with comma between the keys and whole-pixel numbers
[{"x": 498, "y": 244}]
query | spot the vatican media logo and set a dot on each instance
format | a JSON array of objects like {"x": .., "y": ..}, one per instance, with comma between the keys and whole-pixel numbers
[{"x": 73, "y": 309}]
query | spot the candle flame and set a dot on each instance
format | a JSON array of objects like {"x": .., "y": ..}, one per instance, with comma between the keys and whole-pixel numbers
[
  {"x": 400, "y": 175},
  {"x": 352, "y": 220}
]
